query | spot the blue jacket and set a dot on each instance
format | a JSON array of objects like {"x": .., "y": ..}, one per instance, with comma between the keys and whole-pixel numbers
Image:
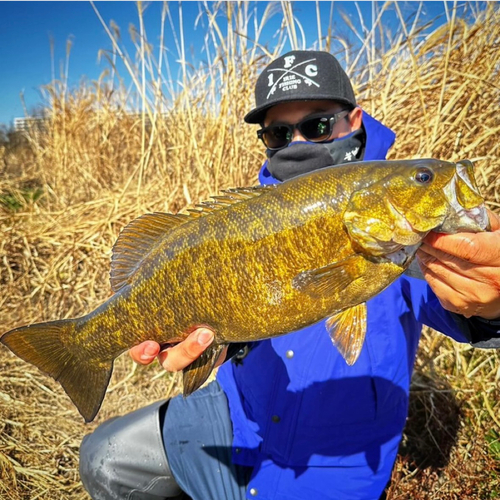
[{"x": 312, "y": 426}]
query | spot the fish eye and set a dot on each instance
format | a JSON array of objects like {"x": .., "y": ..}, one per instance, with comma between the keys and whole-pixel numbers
[{"x": 424, "y": 176}]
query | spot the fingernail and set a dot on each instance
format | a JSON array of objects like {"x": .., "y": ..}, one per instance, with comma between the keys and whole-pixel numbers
[
  {"x": 150, "y": 351},
  {"x": 205, "y": 337}
]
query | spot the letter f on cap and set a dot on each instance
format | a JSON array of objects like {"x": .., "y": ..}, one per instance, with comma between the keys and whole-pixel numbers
[{"x": 289, "y": 61}]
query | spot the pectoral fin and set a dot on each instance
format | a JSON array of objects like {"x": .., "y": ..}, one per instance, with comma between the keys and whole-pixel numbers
[
  {"x": 330, "y": 279},
  {"x": 347, "y": 331},
  {"x": 196, "y": 374}
]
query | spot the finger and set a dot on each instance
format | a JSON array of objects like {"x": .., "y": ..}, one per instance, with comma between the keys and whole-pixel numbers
[
  {"x": 183, "y": 354},
  {"x": 460, "y": 274},
  {"x": 446, "y": 265},
  {"x": 435, "y": 270},
  {"x": 494, "y": 220},
  {"x": 448, "y": 294},
  {"x": 477, "y": 248},
  {"x": 439, "y": 260},
  {"x": 474, "y": 293},
  {"x": 145, "y": 353}
]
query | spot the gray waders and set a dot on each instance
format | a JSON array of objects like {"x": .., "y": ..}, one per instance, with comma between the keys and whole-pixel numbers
[{"x": 125, "y": 458}]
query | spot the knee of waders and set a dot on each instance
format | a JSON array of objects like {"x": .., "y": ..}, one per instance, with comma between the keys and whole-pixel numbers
[{"x": 124, "y": 458}]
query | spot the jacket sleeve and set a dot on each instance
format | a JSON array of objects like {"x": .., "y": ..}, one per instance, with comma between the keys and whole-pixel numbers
[
  {"x": 428, "y": 310},
  {"x": 480, "y": 332}
]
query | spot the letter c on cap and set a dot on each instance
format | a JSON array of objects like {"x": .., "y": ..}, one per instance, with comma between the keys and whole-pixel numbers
[{"x": 311, "y": 70}]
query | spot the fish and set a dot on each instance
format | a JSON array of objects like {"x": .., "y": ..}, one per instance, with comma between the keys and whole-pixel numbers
[{"x": 257, "y": 262}]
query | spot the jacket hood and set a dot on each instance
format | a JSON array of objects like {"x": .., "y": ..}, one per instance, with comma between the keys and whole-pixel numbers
[{"x": 379, "y": 140}]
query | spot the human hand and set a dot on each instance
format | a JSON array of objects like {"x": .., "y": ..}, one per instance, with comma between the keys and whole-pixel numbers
[
  {"x": 177, "y": 357},
  {"x": 463, "y": 270}
]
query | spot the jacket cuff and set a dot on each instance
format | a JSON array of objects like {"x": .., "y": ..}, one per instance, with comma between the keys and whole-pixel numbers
[
  {"x": 480, "y": 332},
  {"x": 236, "y": 350}
]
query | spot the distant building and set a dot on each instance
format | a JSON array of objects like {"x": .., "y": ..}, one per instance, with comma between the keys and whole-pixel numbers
[
  {"x": 39, "y": 124},
  {"x": 31, "y": 123}
]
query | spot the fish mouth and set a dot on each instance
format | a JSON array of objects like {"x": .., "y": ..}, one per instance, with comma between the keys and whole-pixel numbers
[
  {"x": 474, "y": 220},
  {"x": 467, "y": 211}
]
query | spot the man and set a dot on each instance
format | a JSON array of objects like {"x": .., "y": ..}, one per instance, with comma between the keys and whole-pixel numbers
[{"x": 287, "y": 418}]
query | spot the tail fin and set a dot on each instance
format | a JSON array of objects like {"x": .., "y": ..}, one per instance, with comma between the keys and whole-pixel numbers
[{"x": 51, "y": 347}]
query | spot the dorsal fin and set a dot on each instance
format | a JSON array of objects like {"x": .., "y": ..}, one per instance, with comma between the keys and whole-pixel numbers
[
  {"x": 138, "y": 238},
  {"x": 136, "y": 241},
  {"x": 230, "y": 197},
  {"x": 248, "y": 192}
]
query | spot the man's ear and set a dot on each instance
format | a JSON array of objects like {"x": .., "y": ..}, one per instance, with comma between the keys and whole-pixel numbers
[{"x": 356, "y": 118}]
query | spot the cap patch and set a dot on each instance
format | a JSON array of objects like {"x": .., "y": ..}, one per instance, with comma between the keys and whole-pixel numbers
[{"x": 291, "y": 76}]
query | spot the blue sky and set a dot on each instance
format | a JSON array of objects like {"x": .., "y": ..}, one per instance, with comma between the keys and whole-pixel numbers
[{"x": 26, "y": 29}]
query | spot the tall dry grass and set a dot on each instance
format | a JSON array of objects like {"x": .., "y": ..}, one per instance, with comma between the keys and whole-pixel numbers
[{"x": 66, "y": 193}]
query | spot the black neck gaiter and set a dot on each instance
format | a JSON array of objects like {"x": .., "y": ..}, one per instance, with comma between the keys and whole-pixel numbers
[{"x": 303, "y": 157}]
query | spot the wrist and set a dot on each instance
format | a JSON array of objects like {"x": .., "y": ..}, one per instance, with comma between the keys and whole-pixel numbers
[{"x": 489, "y": 321}]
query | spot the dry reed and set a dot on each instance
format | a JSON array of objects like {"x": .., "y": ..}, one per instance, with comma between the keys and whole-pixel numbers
[{"x": 66, "y": 192}]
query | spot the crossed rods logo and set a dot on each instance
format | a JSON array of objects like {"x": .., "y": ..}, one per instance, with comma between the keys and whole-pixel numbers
[{"x": 291, "y": 77}]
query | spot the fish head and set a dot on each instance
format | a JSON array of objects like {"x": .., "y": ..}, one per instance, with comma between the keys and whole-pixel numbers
[{"x": 412, "y": 198}]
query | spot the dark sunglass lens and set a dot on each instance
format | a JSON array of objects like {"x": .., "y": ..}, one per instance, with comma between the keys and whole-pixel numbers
[
  {"x": 277, "y": 136},
  {"x": 316, "y": 129}
]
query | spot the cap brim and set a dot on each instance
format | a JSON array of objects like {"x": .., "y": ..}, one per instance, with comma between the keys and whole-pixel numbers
[{"x": 258, "y": 114}]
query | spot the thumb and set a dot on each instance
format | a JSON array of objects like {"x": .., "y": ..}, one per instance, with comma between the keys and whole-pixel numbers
[{"x": 184, "y": 353}]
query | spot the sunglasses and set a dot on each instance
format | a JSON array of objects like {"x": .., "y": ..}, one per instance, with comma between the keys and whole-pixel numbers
[{"x": 314, "y": 128}]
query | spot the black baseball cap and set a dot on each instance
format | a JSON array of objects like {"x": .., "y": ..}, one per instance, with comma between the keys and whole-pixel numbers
[{"x": 301, "y": 75}]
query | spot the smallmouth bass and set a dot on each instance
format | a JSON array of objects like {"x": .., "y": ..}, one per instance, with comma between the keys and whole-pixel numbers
[{"x": 257, "y": 263}]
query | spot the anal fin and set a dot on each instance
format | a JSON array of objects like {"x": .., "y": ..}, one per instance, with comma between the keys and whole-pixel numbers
[
  {"x": 196, "y": 374},
  {"x": 347, "y": 330}
]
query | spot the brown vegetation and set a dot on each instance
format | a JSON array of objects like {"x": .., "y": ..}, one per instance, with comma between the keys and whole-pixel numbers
[{"x": 68, "y": 190}]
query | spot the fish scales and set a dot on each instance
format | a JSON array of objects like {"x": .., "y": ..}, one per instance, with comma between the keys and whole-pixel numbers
[
  {"x": 226, "y": 251},
  {"x": 276, "y": 260}
]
